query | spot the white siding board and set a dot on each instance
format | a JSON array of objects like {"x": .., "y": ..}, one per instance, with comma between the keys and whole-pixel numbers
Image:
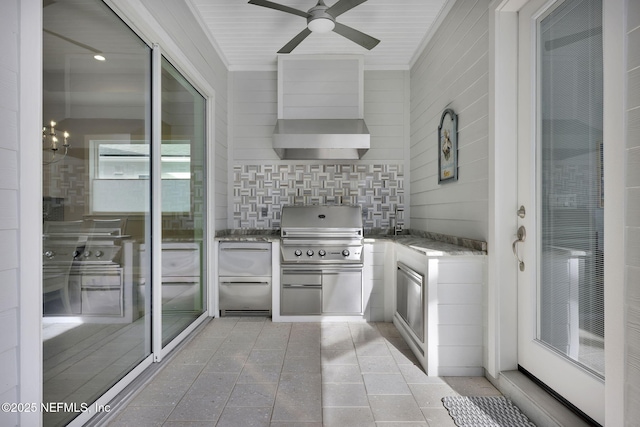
[
  {"x": 8, "y": 358},
  {"x": 632, "y": 261},
  {"x": 452, "y": 335},
  {"x": 633, "y": 60},
  {"x": 633, "y": 88},
  {"x": 633, "y": 127},
  {"x": 8, "y": 169},
  {"x": 8, "y": 290},
  {"x": 460, "y": 314},
  {"x": 8, "y": 210},
  {"x": 452, "y": 72},
  {"x": 385, "y": 131},
  {"x": 633, "y": 170},
  {"x": 8, "y": 338},
  {"x": 323, "y": 87},
  {"x": 384, "y": 120},
  {"x": 383, "y": 108},
  {"x": 9, "y": 122},
  {"x": 9, "y": 418},
  {"x": 9, "y": 284},
  {"x": 320, "y": 112},
  {"x": 384, "y": 96},
  {"x": 459, "y": 356},
  {"x": 8, "y": 252}
]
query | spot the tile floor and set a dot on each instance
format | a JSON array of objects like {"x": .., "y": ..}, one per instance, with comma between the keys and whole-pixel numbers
[{"x": 253, "y": 372}]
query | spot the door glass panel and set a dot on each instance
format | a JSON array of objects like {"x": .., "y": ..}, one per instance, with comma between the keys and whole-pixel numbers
[
  {"x": 570, "y": 288},
  {"x": 96, "y": 287},
  {"x": 183, "y": 203}
]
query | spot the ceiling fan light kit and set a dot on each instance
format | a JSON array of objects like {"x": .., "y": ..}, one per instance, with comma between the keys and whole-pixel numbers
[
  {"x": 319, "y": 21},
  {"x": 321, "y": 25},
  {"x": 322, "y": 19}
]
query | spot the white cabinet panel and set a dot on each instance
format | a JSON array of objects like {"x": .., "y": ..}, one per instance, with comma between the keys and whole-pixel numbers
[{"x": 454, "y": 312}]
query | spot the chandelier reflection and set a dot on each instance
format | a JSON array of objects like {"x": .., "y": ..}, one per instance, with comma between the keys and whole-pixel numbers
[{"x": 51, "y": 144}]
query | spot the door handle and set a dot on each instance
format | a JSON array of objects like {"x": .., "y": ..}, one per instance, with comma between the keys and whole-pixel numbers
[{"x": 521, "y": 237}]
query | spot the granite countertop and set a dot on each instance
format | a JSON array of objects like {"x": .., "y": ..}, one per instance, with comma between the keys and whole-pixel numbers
[
  {"x": 248, "y": 236},
  {"x": 430, "y": 244}
]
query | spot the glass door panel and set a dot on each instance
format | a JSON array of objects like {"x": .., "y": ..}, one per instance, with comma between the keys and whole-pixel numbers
[
  {"x": 183, "y": 203},
  {"x": 560, "y": 177},
  {"x": 96, "y": 287},
  {"x": 571, "y": 307}
]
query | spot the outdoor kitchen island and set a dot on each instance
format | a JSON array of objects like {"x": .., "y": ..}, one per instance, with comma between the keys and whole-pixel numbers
[
  {"x": 440, "y": 314},
  {"x": 435, "y": 295}
]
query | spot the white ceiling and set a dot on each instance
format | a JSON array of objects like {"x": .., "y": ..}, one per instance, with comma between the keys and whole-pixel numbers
[{"x": 248, "y": 36}]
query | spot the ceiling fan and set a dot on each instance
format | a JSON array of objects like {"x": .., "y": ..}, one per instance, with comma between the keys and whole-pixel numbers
[{"x": 322, "y": 19}]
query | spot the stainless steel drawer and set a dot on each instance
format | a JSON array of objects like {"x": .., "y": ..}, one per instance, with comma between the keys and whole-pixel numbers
[
  {"x": 244, "y": 293},
  {"x": 244, "y": 259},
  {"x": 301, "y": 300}
]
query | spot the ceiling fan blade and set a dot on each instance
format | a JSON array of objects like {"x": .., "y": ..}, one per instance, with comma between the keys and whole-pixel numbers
[
  {"x": 276, "y": 6},
  {"x": 356, "y": 36},
  {"x": 342, "y": 6},
  {"x": 72, "y": 41},
  {"x": 295, "y": 41}
]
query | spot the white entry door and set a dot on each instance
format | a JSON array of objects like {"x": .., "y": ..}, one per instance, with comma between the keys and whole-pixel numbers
[{"x": 560, "y": 181}]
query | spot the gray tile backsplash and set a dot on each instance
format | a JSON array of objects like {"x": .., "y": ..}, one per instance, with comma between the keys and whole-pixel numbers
[{"x": 260, "y": 191}]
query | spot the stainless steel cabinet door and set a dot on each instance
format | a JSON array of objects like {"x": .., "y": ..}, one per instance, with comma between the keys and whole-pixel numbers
[
  {"x": 410, "y": 302},
  {"x": 342, "y": 292},
  {"x": 301, "y": 300}
]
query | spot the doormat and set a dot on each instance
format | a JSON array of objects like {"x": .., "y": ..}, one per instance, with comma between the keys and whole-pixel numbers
[{"x": 491, "y": 411}]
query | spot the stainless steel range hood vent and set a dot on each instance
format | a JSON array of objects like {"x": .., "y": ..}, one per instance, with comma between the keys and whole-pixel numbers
[{"x": 321, "y": 139}]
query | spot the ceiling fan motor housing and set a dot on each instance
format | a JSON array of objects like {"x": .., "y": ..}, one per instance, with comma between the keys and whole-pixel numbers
[{"x": 319, "y": 11}]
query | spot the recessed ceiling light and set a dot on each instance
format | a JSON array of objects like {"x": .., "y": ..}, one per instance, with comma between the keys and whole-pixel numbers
[{"x": 99, "y": 57}]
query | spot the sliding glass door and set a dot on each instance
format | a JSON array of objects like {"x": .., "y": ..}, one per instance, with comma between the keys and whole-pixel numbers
[{"x": 99, "y": 216}]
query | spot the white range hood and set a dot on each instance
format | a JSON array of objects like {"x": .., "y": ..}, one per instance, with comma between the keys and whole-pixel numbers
[{"x": 321, "y": 139}]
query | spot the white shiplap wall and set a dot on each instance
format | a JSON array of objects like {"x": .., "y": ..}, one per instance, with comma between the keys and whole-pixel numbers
[
  {"x": 9, "y": 224},
  {"x": 452, "y": 72},
  {"x": 254, "y": 111},
  {"x": 632, "y": 375}
]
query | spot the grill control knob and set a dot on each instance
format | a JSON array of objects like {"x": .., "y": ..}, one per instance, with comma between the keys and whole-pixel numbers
[
  {"x": 346, "y": 252},
  {"x": 310, "y": 252},
  {"x": 76, "y": 254},
  {"x": 99, "y": 254},
  {"x": 49, "y": 254},
  {"x": 298, "y": 252},
  {"x": 321, "y": 252},
  {"x": 86, "y": 254}
]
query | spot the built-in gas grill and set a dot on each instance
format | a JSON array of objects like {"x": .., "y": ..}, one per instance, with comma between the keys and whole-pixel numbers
[
  {"x": 321, "y": 234},
  {"x": 87, "y": 269},
  {"x": 321, "y": 259},
  {"x": 82, "y": 243}
]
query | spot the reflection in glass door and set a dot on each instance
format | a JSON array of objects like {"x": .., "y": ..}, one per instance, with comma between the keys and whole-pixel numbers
[
  {"x": 183, "y": 203},
  {"x": 96, "y": 287}
]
